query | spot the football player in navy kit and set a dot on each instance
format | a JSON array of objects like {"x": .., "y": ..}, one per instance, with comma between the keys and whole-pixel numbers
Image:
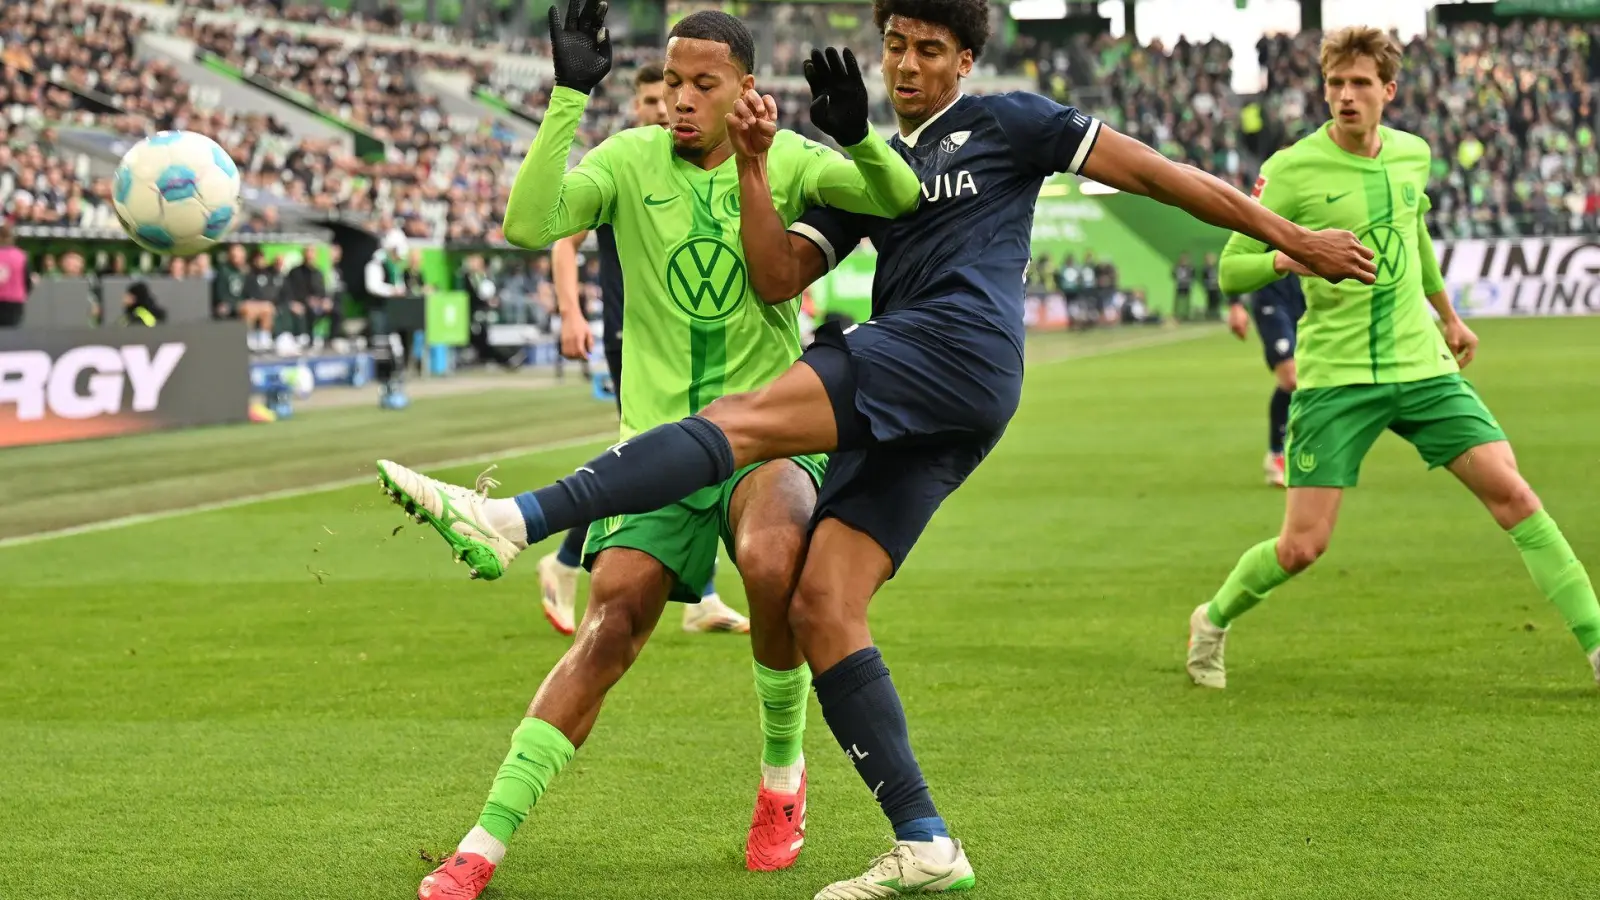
[
  {"x": 1277, "y": 309},
  {"x": 910, "y": 401}
]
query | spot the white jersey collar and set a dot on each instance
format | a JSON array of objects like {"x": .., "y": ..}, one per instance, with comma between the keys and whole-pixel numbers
[{"x": 910, "y": 140}]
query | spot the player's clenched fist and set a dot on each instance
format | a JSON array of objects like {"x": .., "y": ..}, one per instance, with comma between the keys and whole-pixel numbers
[
  {"x": 838, "y": 96},
  {"x": 1334, "y": 255},
  {"x": 580, "y": 46},
  {"x": 753, "y": 124}
]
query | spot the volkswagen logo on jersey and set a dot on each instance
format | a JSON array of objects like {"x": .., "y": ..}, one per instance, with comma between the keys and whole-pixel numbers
[
  {"x": 1389, "y": 248},
  {"x": 953, "y": 141},
  {"x": 706, "y": 278}
]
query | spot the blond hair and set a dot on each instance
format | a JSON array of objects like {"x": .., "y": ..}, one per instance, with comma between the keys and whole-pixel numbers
[{"x": 1351, "y": 43}]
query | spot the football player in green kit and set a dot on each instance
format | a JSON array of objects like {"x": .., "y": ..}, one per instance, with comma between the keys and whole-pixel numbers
[
  {"x": 1371, "y": 357},
  {"x": 696, "y": 331}
]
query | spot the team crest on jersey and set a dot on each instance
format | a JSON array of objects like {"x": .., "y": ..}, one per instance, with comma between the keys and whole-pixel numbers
[
  {"x": 1409, "y": 193},
  {"x": 706, "y": 278},
  {"x": 730, "y": 203},
  {"x": 1261, "y": 185},
  {"x": 1389, "y": 252},
  {"x": 954, "y": 141}
]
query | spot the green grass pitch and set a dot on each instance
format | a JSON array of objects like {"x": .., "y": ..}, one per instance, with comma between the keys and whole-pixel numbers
[{"x": 293, "y": 699}]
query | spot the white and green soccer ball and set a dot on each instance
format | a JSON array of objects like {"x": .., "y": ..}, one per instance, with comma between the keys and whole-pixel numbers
[{"x": 176, "y": 192}]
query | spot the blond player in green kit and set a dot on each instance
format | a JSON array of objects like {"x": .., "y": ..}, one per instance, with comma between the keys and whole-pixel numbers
[
  {"x": 696, "y": 330},
  {"x": 1372, "y": 358}
]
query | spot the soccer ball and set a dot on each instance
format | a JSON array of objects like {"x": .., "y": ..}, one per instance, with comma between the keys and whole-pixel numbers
[{"x": 176, "y": 192}]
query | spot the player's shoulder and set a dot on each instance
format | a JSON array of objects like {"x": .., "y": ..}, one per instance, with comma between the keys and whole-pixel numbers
[
  {"x": 1404, "y": 142},
  {"x": 630, "y": 141},
  {"x": 1309, "y": 150},
  {"x": 1012, "y": 103}
]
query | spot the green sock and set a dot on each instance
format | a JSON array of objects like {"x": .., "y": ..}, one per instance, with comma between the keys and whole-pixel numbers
[
  {"x": 1557, "y": 572},
  {"x": 538, "y": 751},
  {"x": 1250, "y": 582},
  {"x": 783, "y": 698}
]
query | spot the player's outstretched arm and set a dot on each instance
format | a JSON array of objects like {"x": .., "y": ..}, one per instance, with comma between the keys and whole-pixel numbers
[
  {"x": 1128, "y": 165},
  {"x": 547, "y": 203},
  {"x": 875, "y": 180}
]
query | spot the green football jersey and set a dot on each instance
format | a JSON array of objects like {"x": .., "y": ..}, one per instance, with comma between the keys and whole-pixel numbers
[
  {"x": 696, "y": 329},
  {"x": 1354, "y": 333}
]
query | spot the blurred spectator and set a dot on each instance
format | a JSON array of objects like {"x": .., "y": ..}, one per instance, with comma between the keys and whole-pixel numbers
[
  {"x": 15, "y": 280},
  {"x": 306, "y": 301},
  {"x": 140, "y": 308},
  {"x": 259, "y": 308}
]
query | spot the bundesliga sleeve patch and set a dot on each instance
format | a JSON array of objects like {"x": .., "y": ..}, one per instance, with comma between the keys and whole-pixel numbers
[{"x": 1261, "y": 185}]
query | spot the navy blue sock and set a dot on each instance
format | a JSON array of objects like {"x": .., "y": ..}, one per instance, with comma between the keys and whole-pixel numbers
[
  {"x": 1278, "y": 419},
  {"x": 657, "y": 468},
  {"x": 571, "y": 552},
  {"x": 863, "y": 711}
]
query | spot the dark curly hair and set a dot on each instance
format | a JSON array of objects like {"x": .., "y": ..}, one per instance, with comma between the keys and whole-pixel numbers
[{"x": 968, "y": 20}]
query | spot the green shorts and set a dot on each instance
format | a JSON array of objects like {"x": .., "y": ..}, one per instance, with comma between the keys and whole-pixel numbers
[
  {"x": 684, "y": 536},
  {"x": 1332, "y": 428}
]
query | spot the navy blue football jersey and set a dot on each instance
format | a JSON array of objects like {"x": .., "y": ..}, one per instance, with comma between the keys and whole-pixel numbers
[{"x": 961, "y": 257}]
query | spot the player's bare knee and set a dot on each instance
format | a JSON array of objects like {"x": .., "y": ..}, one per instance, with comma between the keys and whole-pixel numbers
[
  {"x": 1297, "y": 552},
  {"x": 612, "y": 632},
  {"x": 812, "y": 611},
  {"x": 770, "y": 571}
]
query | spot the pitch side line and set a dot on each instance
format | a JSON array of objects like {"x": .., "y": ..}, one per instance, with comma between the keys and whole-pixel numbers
[
  {"x": 323, "y": 487},
  {"x": 287, "y": 493}
]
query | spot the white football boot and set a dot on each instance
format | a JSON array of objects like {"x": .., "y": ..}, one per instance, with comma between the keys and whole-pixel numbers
[
  {"x": 558, "y": 587},
  {"x": 902, "y": 872},
  {"x": 455, "y": 512},
  {"x": 711, "y": 614},
  {"x": 1206, "y": 645}
]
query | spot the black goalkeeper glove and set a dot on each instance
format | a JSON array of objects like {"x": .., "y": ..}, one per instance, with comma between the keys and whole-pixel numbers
[
  {"x": 580, "y": 47},
  {"x": 838, "y": 96}
]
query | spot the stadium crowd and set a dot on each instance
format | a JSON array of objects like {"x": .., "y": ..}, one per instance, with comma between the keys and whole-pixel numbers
[{"x": 1510, "y": 110}]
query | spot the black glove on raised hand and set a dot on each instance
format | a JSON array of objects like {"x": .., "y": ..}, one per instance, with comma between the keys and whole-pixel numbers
[
  {"x": 580, "y": 46},
  {"x": 838, "y": 96}
]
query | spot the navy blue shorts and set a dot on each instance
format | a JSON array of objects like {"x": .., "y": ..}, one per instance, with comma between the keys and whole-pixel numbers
[
  {"x": 1277, "y": 309},
  {"x": 914, "y": 419}
]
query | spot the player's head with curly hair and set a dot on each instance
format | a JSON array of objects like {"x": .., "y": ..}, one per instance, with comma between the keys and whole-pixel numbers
[
  {"x": 649, "y": 96},
  {"x": 710, "y": 56},
  {"x": 1359, "y": 68},
  {"x": 928, "y": 47}
]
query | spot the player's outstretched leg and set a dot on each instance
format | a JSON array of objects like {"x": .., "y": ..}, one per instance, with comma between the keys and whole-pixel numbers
[
  {"x": 1308, "y": 521},
  {"x": 628, "y": 592},
  {"x": 769, "y": 516},
  {"x": 843, "y": 569},
  {"x": 711, "y": 614},
  {"x": 790, "y": 417},
  {"x": 1490, "y": 472},
  {"x": 558, "y": 580}
]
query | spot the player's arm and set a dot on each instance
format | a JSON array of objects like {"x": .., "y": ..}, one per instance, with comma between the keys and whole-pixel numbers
[
  {"x": 1128, "y": 165},
  {"x": 548, "y": 202},
  {"x": 874, "y": 181},
  {"x": 781, "y": 262},
  {"x": 1457, "y": 336},
  {"x": 564, "y": 274},
  {"x": 577, "y": 338},
  {"x": 1247, "y": 264}
]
